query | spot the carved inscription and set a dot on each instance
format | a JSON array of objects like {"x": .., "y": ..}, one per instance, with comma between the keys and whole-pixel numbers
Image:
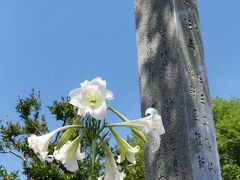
[
  {"x": 190, "y": 24},
  {"x": 194, "y": 75},
  {"x": 165, "y": 59},
  {"x": 205, "y": 122},
  {"x": 195, "y": 115},
  {"x": 199, "y": 77},
  {"x": 203, "y": 142},
  {"x": 211, "y": 169},
  {"x": 192, "y": 46},
  {"x": 171, "y": 120},
  {"x": 201, "y": 162},
  {"x": 193, "y": 91},
  {"x": 208, "y": 145},
  {"x": 190, "y": 5},
  {"x": 206, "y": 165},
  {"x": 204, "y": 119},
  {"x": 198, "y": 138},
  {"x": 190, "y": 71},
  {"x": 202, "y": 99},
  {"x": 187, "y": 3},
  {"x": 191, "y": 43}
]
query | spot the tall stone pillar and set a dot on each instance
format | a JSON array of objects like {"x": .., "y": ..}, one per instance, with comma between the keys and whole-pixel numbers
[{"x": 173, "y": 80}]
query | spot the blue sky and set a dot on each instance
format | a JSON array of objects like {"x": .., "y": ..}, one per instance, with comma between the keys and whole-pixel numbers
[{"x": 54, "y": 45}]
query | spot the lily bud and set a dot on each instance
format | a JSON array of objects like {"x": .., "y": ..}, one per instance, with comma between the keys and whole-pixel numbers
[{"x": 126, "y": 151}]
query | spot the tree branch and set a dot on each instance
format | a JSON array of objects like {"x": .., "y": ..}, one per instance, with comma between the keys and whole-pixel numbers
[
  {"x": 15, "y": 154},
  {"x": 31, "y": 124}
]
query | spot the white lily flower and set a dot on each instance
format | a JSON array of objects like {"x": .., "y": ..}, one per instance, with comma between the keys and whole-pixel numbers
[
  {"x": 111, "y": 169},
  {"x": 137, "y": 132},
  {"x": 155, "y": 124},
  {"x": 90, "y": 98},
  {"x": 126, "y": 151},
  {"x": 150, "y": 125},
  {"x": 69, "y": 153},
  {"x": 39, "y": 144}
]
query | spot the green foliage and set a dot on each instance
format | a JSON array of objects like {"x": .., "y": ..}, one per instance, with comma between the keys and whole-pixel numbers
[
  {"x": 226, "y": 115},
  {"x": 13, "y": 141},
  {"x": 230, "y": 172},
  {"x": 13, "y": 136},
  {"x": 63, "y": 110},
  {"x": 6, "y": 175}
]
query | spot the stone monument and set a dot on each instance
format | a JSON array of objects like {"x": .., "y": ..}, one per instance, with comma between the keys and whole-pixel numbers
[{"x": 173, "y": 80}]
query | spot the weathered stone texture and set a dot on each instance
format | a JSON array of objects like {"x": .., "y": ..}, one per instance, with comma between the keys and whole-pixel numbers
[{"x": 173, "y": 80}]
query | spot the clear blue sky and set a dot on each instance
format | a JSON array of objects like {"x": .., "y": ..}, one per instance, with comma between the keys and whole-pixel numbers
[{"x": 54, "y": 45}]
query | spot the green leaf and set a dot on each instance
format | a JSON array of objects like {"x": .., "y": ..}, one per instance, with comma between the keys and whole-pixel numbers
[
  {"x": 139, "y": 134},
  {"x": 65, "y": 137}
]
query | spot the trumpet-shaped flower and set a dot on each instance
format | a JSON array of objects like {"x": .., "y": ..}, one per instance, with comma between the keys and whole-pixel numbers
[
  {"x": 154, "y": 124},
  {"x": 126, "y": 151},
  {"x": 39, "y": 144},
  {"x": 111, "y": 169},
  {"x": 137, "y": 132},
  {"x": 69, "y": 153},
  {"x": 90, "y": 98},
  {"x": 149, "y": 125}
]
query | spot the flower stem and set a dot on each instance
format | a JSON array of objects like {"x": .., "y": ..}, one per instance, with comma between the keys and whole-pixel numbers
[
  {"x": 135, "y": 131},
  {"x": 125, "y": 119},
  {"x": 93, "y": 157}
]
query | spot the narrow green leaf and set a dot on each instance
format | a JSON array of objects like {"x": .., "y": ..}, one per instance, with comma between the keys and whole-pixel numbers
[
  {"x": 64, "y": 138},
  {"x": 139, "y": 134}
]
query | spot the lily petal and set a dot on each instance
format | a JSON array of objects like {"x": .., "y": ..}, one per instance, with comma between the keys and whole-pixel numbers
[
  {"x": 39, "y": 144},
  {"x": 86, "y": 82},
  {"x": 69, "y": 153},
  {"x": 71, "y": 165},
  {"x": 126, "y": 151},
  {"x": 109, "y": 95},
  {"x": 100, "y": 113},
  {"x": 151, "y": 125},
  {"x": 80, "y": 111},
  {"x": 76, "y": 102},
  {"x": 90, "y": 98},
  {"x": 150, "y": 111},
  {"x": 111, "y": 169},
  {"x": 155, "y": 123},
  {"x": 98, "y": 81},
  {"x": 79, "y": 155},
  {"x": 137, "y": 132}
]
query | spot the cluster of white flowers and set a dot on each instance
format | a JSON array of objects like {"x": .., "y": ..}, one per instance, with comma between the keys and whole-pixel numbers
[{"x": 90, "y": 98}]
